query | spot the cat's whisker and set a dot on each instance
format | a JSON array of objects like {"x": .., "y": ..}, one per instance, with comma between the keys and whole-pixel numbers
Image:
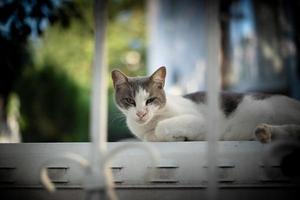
[{"x": 118, "y": 117}]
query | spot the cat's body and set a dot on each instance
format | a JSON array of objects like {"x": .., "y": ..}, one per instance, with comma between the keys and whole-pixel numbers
[
  {"x": 153, "y": 116},
  {"x": 184, "y": 119}
]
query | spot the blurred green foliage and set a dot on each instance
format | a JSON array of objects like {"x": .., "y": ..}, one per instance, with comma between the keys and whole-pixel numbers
[
  {"x": 53, "y": 106},
  {"x": 55, "y": 91}
]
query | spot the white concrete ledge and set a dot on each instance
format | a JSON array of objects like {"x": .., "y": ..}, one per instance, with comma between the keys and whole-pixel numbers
[{"x": 182, "y": 167}]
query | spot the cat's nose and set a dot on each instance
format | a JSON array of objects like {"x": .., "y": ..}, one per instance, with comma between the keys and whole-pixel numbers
[{"x": 141, "y": 114}]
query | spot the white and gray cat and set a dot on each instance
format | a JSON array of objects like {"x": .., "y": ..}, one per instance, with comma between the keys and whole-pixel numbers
[{"x": 152, "y": 115}]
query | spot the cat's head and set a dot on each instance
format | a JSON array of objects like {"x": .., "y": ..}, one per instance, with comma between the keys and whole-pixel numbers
[{"x": 140, "y": 98}]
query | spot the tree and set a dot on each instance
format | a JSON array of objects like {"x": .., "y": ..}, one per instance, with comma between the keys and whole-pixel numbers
[
  {"x": 52, "y": 78},
  {"x": 20, "y": 21}
]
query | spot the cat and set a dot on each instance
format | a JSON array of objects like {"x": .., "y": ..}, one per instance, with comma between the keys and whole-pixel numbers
[{"x": 151, "y": 115}]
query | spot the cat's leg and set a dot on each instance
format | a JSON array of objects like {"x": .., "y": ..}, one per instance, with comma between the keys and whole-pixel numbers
[
  {"x": 181, "y": 128},
  {"x": 266, "y": 133},
  {"x": 151, "y": 137}
]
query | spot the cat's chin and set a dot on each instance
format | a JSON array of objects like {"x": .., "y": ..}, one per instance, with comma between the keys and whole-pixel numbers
[{"x": 142, "y": 121}]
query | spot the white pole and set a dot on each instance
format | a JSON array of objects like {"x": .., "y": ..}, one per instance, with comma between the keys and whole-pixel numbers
[
  {"x": 213, "y": 90},
  {"x": 98, "y": 111},
  {"x": 98, "y": 126}
]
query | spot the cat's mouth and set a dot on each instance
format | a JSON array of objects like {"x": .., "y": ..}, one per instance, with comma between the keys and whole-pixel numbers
[{"x": 142, "y": 120}]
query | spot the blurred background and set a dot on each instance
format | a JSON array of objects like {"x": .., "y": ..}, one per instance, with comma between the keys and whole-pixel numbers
[{"x": 47, "y": 50}]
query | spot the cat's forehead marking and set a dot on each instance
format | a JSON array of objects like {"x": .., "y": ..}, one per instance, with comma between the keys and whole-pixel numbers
[{"x": 141, "y": 96}]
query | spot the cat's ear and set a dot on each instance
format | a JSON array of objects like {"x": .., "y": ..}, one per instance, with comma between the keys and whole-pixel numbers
[
  {"x": 159, "y": 76},
  {"x": 118, "y": 78}
]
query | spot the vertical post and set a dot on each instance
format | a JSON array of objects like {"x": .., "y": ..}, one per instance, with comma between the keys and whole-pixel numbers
[
  {"x": 98, "y": 110},
  {"x": 213, "y": 90},
  {"x": 98, "y": 126}
]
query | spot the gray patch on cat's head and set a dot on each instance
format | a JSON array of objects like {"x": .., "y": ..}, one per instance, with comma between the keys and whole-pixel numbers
[{"x": 127, "y": 87}]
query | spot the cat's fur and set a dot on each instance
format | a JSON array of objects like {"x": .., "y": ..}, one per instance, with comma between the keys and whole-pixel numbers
[{"x": 151, "y": 115}]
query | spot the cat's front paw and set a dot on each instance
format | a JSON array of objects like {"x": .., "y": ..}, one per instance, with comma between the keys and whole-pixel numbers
[
  {"x": 263, "y": 133},
  {"x": 167, "y": 133}
]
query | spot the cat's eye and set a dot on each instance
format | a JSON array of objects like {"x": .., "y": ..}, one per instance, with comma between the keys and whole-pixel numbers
[
  {"x": 129, "y": 101},
  {"x": 150, "y": 100}
]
